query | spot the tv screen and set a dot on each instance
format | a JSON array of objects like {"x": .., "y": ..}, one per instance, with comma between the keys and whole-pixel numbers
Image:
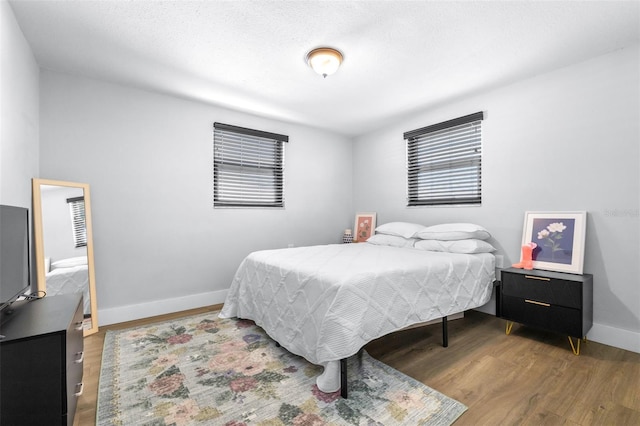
[{"x": 14, "y": 253}]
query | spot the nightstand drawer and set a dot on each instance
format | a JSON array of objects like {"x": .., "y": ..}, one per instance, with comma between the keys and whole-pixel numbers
[
  {"x": 543, "y": 289},
  {"x": 538, "y": 314}
]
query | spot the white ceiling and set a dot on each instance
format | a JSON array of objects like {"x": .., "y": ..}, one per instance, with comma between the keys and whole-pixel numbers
[{"x": 400, "y": 56}]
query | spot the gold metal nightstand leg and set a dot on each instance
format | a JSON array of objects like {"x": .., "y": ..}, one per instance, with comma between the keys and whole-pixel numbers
[
  {"x": 576, "y": 348},
  {"x": 509, "y": 327}
]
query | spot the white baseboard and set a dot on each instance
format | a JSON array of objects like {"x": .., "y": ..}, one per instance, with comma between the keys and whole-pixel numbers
[
  {"x": 612, "y": 336},
  {"x": 177, "y": 304},
  {"x": 607, "y": 335},
  {"x": 159, "y": 307}
]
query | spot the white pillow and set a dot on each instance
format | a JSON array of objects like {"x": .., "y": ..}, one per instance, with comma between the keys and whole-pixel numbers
[
  {"x": 69, "y": 263},
  {"x": 401, "y": 229},
  {"x": 458, "y": 246},
  {"x": 453, "y": 231},
  {"x": 391, "y": 240}
]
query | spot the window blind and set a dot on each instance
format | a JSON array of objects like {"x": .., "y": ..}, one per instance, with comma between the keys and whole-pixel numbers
[
  {"x": 248, "y": 167},
  {"x": 78, "y": 224},
  {"x": 444, "y": 162}
]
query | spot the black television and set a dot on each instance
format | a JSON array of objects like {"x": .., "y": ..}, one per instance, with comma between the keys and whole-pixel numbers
[{"x": 14, "y": 254}]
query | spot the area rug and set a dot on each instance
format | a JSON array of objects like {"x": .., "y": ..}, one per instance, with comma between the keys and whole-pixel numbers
[{"x": 203, "y": 370}]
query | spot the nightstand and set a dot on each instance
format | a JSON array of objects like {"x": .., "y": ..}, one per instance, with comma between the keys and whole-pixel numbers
[{"x": 553, "y": 301}]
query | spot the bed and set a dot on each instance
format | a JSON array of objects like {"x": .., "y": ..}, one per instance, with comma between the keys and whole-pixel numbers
[
  {"x": 326, "y": 302},
  {"x": 69, "y": 275}
]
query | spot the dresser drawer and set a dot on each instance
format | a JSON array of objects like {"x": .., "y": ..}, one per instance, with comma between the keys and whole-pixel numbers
[
  {"x": 74, "y": 361},
  {"x": 41, "y": 361},
  {"x": 553, "y": 291},
  {"x": 545, "y": 316}
]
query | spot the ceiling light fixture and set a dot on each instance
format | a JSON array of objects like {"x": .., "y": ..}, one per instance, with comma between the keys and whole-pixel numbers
[{"x": 324, "y": 60}]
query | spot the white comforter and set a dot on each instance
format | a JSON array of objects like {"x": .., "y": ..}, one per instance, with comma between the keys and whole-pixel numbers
[
  {"x": 72, "y": 279},
  {"x": 326, "y": 302}
]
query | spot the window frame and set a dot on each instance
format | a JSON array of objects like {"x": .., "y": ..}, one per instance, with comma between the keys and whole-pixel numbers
[
  {"x": 248, "y": 167},
  {"x": 78, "y": 221},
  {"x": 448, "y": 152}
]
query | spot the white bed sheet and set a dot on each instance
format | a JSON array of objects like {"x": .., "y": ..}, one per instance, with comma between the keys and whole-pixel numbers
[{"x": 326, "y": 302}]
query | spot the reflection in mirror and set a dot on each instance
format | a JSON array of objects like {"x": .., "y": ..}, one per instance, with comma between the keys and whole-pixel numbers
[{"x": 64, "y": 243}]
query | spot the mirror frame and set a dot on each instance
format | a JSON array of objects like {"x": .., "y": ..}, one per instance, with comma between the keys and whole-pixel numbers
[{"x": 39, "y": 242}]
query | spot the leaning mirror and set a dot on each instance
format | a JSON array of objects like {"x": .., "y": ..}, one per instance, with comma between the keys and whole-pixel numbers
[{"x": 64, "y": 243}]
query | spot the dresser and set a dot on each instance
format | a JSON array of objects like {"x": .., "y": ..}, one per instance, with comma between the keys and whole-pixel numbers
[
  {"x": 41, "y": 357},
  {"x": 553, "y": 301}
]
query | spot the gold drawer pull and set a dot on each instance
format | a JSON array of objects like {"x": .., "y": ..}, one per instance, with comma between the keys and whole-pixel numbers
[
  {"x": 537, "y": 303},
  {"x": 531, "y": 277}
]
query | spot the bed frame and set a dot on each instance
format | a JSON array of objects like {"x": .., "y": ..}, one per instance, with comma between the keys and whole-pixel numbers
[{"x": 343, "y": 361}]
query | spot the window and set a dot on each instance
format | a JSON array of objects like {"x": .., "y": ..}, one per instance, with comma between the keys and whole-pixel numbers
[
  {"x": 79, "y": 227},
  {"x": 248, "y": 167},
  {"x": 444, "y": 162}
]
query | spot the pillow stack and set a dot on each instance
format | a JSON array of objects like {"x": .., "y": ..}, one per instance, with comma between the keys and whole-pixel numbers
[
  {"x": 455, "y": 238},
  {"x": 447, "y": 237},
  {"x": 396, "y": 234}
]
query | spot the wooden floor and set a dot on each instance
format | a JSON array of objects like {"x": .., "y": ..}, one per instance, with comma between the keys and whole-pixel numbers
[{"x": 528, "y": 377}]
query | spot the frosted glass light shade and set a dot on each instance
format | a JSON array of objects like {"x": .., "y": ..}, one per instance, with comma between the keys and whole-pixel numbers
[{"x": 324, "y": 60}]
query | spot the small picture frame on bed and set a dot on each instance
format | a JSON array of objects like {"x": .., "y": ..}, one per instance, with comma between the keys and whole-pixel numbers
[
  {"x": 364, "y": 227},
  {"x": 559, "y": 239}
]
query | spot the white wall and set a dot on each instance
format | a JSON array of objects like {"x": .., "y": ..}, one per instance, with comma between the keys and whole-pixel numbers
[
  {"x": 19, "y": 112},
  {"x": 160, "y": 246},
  {"x": 19, "y": 116},
  {"x": 563, "y": 141},
  {"x": 57, "y": 225}
]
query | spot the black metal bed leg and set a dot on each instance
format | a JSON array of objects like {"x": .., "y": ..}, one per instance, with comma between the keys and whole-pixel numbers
[
  {"x": 343, "y": 378},
  {"x": 445, "y": 332}
]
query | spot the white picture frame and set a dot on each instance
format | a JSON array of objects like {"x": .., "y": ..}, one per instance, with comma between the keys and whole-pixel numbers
[{"x": 559, "y": 237}]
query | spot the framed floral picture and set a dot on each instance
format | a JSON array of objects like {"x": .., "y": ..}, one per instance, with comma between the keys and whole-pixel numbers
[
  {"x": 364, "y": 227},
  {"x": 559, "y": 239}
]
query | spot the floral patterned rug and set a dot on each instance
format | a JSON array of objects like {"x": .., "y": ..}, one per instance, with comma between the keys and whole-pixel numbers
[{"x": 203, "y": 370}]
